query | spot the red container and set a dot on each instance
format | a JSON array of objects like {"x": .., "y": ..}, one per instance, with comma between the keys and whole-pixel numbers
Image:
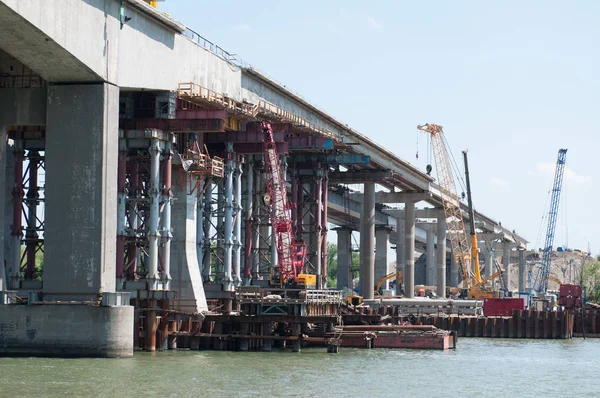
[
  {"x": 569, "y": 296},
  {"x": 502, "y": 306}
]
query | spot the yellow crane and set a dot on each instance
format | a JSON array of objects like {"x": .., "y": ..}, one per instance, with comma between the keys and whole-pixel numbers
[{"x": 465, "y": 257}]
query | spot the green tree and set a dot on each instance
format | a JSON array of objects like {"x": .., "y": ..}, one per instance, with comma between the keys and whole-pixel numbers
[
  {"x": 590, "y": 279},
  {"x": 332, "y": 252}
]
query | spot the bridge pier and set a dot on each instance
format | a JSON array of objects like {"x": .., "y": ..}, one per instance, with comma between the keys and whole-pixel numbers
[
  {"x": 400, "y": 253},
  {"x": 367, "y": 242},
  {"x": 522, "y": 272},
  {"x": 506, "y": 246},
  {"x": 382, "y": 240},
  {"x": 429, "y": 259},
  {"x": 344, "y": 258},
  {"x": 441, "y": 256}
]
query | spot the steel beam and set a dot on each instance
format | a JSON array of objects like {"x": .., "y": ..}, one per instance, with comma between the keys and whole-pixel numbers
[{"x": 175, "y": 125}]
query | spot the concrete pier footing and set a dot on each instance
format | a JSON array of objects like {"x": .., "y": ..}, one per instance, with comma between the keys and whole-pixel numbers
[{"x": 71, "y": 330}]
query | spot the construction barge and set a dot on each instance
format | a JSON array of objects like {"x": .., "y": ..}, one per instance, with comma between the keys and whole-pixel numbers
[{"x": 263, "y": 319}]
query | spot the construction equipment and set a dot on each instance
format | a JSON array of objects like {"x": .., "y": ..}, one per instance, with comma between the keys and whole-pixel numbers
[
  {"x": 450, "y": 202},
  {"x": 466, "y": 258},
  {"x": 291, "y": 253},
  {"x": 384, "y": 278},
  {"x": 541, "y": 283},
  {"x": 474, "y": 248}
]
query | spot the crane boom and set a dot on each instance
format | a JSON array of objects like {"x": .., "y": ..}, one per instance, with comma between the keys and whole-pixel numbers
[
  {"x": 474, "y": 246},
  {"x": 290, "y": 253},
  {"x": 450, "y": 202},
  {"x": 544, "y": 275}
]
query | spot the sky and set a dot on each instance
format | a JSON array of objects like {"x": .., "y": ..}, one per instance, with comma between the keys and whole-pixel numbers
[{"x": 511, "y": 81}]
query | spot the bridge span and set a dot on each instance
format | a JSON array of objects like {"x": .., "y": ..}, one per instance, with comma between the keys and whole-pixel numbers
[{"x": 133, "y": 173}]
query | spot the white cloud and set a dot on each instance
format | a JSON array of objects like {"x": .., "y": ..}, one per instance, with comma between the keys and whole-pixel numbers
[
  {"x": 241, "y": 28},
  {"x": 499, "y": 182},
  {"x": 547, "y": 168},
  {"x": 375, "y": 24}
]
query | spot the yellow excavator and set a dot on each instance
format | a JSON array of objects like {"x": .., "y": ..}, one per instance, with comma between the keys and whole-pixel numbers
[{"x": 384, "y": 278}]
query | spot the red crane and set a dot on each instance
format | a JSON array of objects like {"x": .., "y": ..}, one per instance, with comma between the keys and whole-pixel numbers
[{"x": 290, "y": 252}]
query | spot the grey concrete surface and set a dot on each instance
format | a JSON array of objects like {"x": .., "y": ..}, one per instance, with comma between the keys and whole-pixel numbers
[
  {"x": 382, "y": 240},
  {"x": 185, "y": 270},
  {"x": 367, "y": 243},
  {"x": 409, "y": 250},
  {"x": 81, "y": 191},
  {"x": 71, "y": 330}
]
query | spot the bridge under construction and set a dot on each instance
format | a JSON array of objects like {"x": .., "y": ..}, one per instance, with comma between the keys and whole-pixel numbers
[{"x": 135, "y": 200}]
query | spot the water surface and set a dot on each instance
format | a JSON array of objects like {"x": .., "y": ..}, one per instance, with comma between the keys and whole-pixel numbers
[{"x": 478, "y": 368}]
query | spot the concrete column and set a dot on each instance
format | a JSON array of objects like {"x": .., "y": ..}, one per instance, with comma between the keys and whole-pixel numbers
[
  {"x": 367, "y": 239},
  {"x": 249, "y": 231},
  {"x": 409, "y": 243},
  {"x": 81, "y": 191},
  {"x": 166, "y": 215},
  {"x": 441, "y": 256},
  {"x": 228, "y": 227},
  {"x": 382, "y": 240},
  {"x": 220, "y": 234},
  {"x": 318, "y": 227},
  {"x": 344, "y": 258},
  {"x": 429, "y": 257},
  {"x": 237, "y": 230},
  {"x": 121, "y": 213},
  {"x": 200, "y": 227},
  {"x": 453, "y": 272},
  {"x": 489, "y": 257},
  {"x": 3, "y": 197},
  {"x": 400, "y": 252},
  {"x": 14, "y": 262},
  {"x": 185, "y": 271},
  {"x": 153, "y": 230},
  {"x": 522, "y": 272},
  {"x": 206, "y": 254},
  {"x": 258, "y": 234},
  {"x": 506, "y": 263}
]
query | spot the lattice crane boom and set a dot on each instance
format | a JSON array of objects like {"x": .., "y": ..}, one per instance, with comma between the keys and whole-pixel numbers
[
  {"x": 451, "y": 204},
  {"x": 290, "y": 253},
  {"x": 542, "y": 285}
]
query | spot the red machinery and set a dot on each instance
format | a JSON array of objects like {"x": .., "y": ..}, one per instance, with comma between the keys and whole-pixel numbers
[
  {"x": 569, "y": 296},
  {"x": 502, "y": 306},
  {"x": 290, "y": 253}
]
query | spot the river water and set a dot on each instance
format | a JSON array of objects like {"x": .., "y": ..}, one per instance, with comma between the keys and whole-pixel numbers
[{"x": 478, "y": 368}]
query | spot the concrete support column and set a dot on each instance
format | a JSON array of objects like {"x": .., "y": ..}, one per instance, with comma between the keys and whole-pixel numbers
[
  {"x": 324, "y": 230},
  {"x": 400, "y": 253},
  {"x": 453, "y": 272},
  {"x": 367, "y": 239},
  {"x": 489, "y": 257},
  {"x": 167, "y": 200},
  {"x": 134, "y": 219},
  {"x": 506, "y": 262},
  {"x": 228, "y": 227},
  {"x": 237, "y": 230},
  {"x": 441, "y": 256},
  {"x": 249, "y": 231},
  {"x": 121, "y": 213},
  {"x": 318, "y": 227},
  {"x": 200, "y": 227},
  {"x": 3, "y": 197},
  {"x": 258, "y": 237},
  {"x": 206, "y": 254},
  {"x": 185, "y": 271},
  {"x": 344, "y": 258},
  {"x": 409, "y": 243},
  {"x": 429, "y": 258},
  {"x": 81, "y": 169},
  {"x": 14, "y": 262},
  {"x": 382, "y": 240},
  {"x": 153, "y": 228},
  {"x": 522, "y": 272}
]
